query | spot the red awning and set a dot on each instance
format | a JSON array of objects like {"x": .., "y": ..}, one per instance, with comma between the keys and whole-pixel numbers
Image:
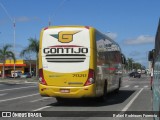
[{"x": 10, "y": 65}]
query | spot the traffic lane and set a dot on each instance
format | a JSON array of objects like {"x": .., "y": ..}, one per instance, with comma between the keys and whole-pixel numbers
[
  {"x": 142, "y": 80},
  {"x": 25, "y": 104},
  {"x": 134, "y": 106},
  {"x": 133, "y": 83},
  {"x": 31, "y": 103},
  {"x": 140, "y": 108},
  {"x": 114, "y": 103},
  {"x": 79, "y": 104},
  {"x": 17, "y": 91},
  {"x": 22, "y": 95},
  {"x": 21, "y": 98},
  {"x": 5, "y": 85},
  {"x": 143, "y": 102}
]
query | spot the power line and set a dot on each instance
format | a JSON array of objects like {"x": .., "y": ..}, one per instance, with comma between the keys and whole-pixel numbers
[
  {"x": 60, "y": 5},
  {"x": 6, "y": 12},
  {"x": 56, "y": 10},
  {"x": 14, "y": 28}
]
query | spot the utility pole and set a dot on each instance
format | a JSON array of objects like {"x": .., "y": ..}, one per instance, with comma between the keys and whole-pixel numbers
[
  {"x": 49, "y": 21},
  {"x": 14, "y": 40}
]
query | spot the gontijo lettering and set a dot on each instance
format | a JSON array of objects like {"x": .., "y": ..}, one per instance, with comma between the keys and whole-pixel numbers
[
  {"x": 66, "y": 50},
  {"x": 65, "y": 53}
]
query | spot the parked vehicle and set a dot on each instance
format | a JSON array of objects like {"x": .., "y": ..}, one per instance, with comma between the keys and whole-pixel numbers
[
  {"x": 26, "y": 75},
  {"x": 139, "y": 71},
  {"x": 16, "y": 73},
  {"x": 135, "y": 74}
]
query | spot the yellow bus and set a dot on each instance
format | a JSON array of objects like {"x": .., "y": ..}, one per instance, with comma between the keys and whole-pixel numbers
[{"x": 78, "y": 62}]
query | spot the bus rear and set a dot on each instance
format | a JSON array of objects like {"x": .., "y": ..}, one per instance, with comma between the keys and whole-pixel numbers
[{"x": 66, "y": 69}]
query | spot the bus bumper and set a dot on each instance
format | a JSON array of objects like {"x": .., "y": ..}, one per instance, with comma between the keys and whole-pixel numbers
[{"x": 67, "y": 92}]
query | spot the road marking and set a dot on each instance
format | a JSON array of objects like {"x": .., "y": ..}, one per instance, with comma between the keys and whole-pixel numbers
[
  {"x": 136, "y": 86},
  {"x": 41, "y": 108},
  {"x": 17, "y": 88},
  {"x": 18, "y": 97},
  {"x": 3, "y": 94},
  {"x": 31, "y": 82},
  {"x": 130, "y": 103},
  {"x": 126, "y": 86},
  {"x": 146, "y": 86},
  {"x": 39, "y": 99},
  {"x": 18, "y": 83}
]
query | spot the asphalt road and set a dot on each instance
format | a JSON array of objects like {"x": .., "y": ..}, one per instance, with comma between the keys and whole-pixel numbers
[{"x": 134, "y": 96}]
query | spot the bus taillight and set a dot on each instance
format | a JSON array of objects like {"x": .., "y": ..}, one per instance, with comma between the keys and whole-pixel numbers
[
  {"x": 91, "y": 78},
  {"x": 41, "y": 77}
]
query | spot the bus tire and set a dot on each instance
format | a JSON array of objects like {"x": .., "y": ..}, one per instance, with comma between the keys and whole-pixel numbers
[
  {"x": 60, "y": 100},
  {"x": 103, "y": 98},
  {"x": 119, "y": 85}
]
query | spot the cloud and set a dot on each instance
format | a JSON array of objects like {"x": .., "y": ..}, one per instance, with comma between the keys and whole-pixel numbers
[
  {"x": 25, "y": 19},
  {"x": 142, "y": 39},
  {"x": 112, "y": 35}
]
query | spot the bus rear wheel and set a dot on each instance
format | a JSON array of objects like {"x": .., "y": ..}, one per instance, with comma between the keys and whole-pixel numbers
[
  {"x": 60, "y": 100},
  {"x": 119, "y": 85},
  {"x": 103, "y": 98}
]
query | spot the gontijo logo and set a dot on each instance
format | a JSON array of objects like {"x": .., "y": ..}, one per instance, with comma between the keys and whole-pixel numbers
[
  {"x": 65, "y": 36},
  {"x": 65, "y": 53}
]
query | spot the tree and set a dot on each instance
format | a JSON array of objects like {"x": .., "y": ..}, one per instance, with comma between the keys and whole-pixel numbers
[
  {"x": 137, "y": 66},
  {"x": 28, "y": 59},
  {"x": 34, "y": 48},
  {"x": 5, "y": 53},
  {"x": 130, "y": 62}
]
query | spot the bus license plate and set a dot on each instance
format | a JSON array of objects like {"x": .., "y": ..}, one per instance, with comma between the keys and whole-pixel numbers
[{"x": 64, "y": 90}]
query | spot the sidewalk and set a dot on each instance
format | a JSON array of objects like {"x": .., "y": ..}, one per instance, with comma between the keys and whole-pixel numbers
[{"x": 18, "y": 80}]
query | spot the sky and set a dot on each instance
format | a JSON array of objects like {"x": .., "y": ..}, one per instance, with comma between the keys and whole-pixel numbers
[{"x": 131, "y": 23}]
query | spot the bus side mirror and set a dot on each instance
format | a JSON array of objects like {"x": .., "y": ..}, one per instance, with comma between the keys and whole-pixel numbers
[
  {"x": 123, "y": 59},
  {"x": 151, "y": 55}
]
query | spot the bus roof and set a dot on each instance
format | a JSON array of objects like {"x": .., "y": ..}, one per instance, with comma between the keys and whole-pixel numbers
[{"x": 88, "y": 27}]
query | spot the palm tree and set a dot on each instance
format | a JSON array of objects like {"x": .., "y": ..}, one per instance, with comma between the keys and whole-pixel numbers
[
  {"x": 34, "y": 48},
  {"x": 5, "y": 53},
  {"x": 130, "y": 62}
]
